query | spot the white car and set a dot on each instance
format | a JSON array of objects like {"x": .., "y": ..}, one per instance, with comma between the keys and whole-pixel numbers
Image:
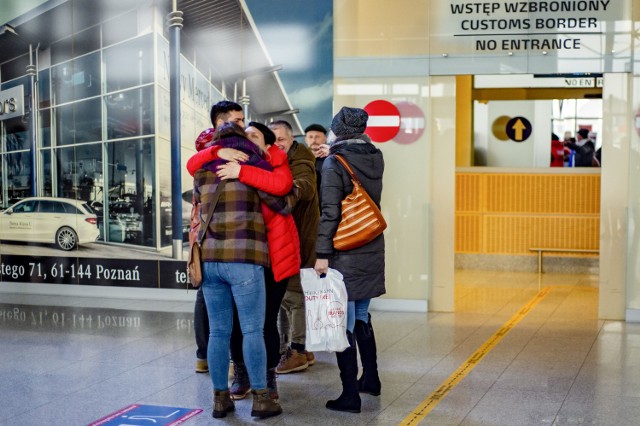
[{"x": 61, "y": 221}]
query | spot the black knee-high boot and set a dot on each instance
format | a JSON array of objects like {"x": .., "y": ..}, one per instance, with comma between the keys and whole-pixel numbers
[
  {"x": 369, "y": 382},
  {"x": 349, "y": 399}
]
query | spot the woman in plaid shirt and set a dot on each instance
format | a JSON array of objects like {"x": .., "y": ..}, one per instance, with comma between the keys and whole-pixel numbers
[{"x": 234, "y": 254}]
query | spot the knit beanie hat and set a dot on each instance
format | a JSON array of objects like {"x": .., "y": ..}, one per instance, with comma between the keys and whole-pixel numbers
[
  {"x": 205, "y": 139},
  {"x": 349, "y": 121},
  {"x": 269, "y": 136}
]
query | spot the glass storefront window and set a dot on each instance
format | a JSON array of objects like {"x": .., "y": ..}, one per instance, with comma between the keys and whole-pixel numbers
[
  {"x": 62, "y": 50},
  {"x": 130, "y": 188},
  {"x": 15, "y": 68},
  {"x": 77, "y": 79},
  {"x": 44, "y": 88},
  {"x": 17, "y": 163},
  {"x": 18, "y": 170},
  {"x": 45, "y": 162},
  {"x": 79, "y": 122},
  {"x": 3, "y": 200},
  {"x": 45, "y": 127},
  {"x": 130, "y": 113},
  {"x": 16, "y": 134},
  {"x": 129, "y": 64},
  {"x": 86, "y": 41},
  {"x": 79, "y": 172},
  {"x": 120, "y": 28}
]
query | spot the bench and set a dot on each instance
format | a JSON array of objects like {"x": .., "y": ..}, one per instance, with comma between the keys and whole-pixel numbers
[{"x": 541, "y": 250}]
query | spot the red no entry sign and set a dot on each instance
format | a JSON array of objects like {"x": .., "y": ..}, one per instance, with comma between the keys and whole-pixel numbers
[{"x": 384, "y": 121}]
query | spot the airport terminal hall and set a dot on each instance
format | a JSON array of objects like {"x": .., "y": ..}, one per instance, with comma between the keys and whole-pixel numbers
[{"x": 304, "y": 212}]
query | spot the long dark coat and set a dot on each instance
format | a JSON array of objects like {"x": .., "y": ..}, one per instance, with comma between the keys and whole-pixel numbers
[{"x": 363, "y": 267}]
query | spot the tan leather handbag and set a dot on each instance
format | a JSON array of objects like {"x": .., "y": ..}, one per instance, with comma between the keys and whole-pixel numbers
[
  {"x": 194, "y": 261},
  {"x": 361, "y": 221}
]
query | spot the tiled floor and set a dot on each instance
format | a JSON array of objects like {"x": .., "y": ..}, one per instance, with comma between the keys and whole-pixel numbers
[{"x": 70, "y": 361}]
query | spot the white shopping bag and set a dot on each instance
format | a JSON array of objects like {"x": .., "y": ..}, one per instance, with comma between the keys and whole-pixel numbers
[{"x": 325, "y": 302}]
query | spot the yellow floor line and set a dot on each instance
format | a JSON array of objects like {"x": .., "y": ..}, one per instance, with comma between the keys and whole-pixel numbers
[{"x": 417, "y": 415}]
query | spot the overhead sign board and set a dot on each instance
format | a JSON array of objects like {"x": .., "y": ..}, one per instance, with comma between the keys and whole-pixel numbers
[
  {"x": 528, "y": 25},
  {"x": 12, "y": 103},
  {"x": 568, "y": 31},
  {"x": 538, "y": 81}
]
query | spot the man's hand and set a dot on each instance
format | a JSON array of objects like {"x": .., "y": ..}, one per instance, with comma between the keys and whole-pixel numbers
[{"x": 321, "y": 151}]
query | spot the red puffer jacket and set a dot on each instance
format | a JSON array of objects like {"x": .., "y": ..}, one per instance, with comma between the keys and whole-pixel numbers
[{"x": 282, "y": 234}]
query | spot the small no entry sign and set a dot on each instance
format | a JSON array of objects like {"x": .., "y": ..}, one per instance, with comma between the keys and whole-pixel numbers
[{"x": 384, "y": 121}]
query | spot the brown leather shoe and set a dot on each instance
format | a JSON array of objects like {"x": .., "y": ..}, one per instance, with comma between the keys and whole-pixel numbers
[
  {"x": 263, "y": 405},
  {"x": 291, "y": 361},
  {"x": 202, "y": 366},
  {"x": 311, "y": 358},
  {"x": 222, "y": 404}
]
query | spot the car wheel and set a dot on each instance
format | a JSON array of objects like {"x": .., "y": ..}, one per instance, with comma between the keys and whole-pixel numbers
[{"x": 66, "y": 238}]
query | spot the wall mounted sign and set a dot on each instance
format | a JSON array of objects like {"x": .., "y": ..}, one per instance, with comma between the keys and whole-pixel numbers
[
  {"x": 529, "y": 25},
  {"x": 12, "y": 103},
  {"x": 412, "y": 123},
  {"x": 518, "y": 129},
  {"x": 489, "y": 37},
  {"x": 384, "y": 120}
]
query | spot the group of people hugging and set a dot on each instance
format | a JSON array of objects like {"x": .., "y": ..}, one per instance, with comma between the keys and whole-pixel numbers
[{"x": 276, "y": 211}]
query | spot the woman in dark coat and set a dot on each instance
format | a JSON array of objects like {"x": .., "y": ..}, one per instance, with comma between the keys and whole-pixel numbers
[{"x": 362, "y": 267}]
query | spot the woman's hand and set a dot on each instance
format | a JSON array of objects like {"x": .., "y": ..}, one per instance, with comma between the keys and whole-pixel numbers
[
  {"x": 229, "y": 170},
  {"x": 231, "y": 154},
  {"x": 322, "y": 266}
]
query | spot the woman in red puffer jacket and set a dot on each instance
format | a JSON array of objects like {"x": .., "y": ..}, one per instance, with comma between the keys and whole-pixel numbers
[{"x": 282, "y": 238}]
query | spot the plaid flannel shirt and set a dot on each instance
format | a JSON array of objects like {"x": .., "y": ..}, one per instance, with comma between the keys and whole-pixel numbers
[{"x": 237, "y": 232}]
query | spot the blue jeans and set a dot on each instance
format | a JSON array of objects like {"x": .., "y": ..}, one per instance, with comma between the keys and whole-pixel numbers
[
  {"x": 357, "y": 310},
  {"x": 243, "y": 284}
]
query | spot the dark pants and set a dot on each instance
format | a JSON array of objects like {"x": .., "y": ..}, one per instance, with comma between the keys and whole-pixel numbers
[
  {"x": 275, "y": 292},
  {"x": 201, "y": 325}
]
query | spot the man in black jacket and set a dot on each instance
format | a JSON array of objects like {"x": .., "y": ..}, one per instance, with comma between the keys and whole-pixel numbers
[{"x": 585, "y": 150}]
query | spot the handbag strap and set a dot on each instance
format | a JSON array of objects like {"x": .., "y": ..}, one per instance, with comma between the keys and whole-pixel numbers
[
  {"x": 212, "y": 206},
  {"x": 342, "y": 161}
]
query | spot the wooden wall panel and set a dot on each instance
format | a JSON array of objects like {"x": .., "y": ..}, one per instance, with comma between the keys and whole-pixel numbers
[{"x": 507, "y": 213}]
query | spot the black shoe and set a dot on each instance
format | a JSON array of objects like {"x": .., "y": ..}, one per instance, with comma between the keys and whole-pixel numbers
[{"x": 349, "y": 403}]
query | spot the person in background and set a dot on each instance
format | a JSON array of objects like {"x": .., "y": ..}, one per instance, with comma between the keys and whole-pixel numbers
[
  {"x": 362, "y": 283},
  {"x": 584, "y": 150},
  {"x": 306, "y": 214},
  {"x": 568, "y": 153},
  {"x": 315, "y": 136},
  {"x": 234, "y": 255},
  {"x": 221, "y": 112},
  {"x": 557, "y": 151},
  {"x": 598, "y": 155}
]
